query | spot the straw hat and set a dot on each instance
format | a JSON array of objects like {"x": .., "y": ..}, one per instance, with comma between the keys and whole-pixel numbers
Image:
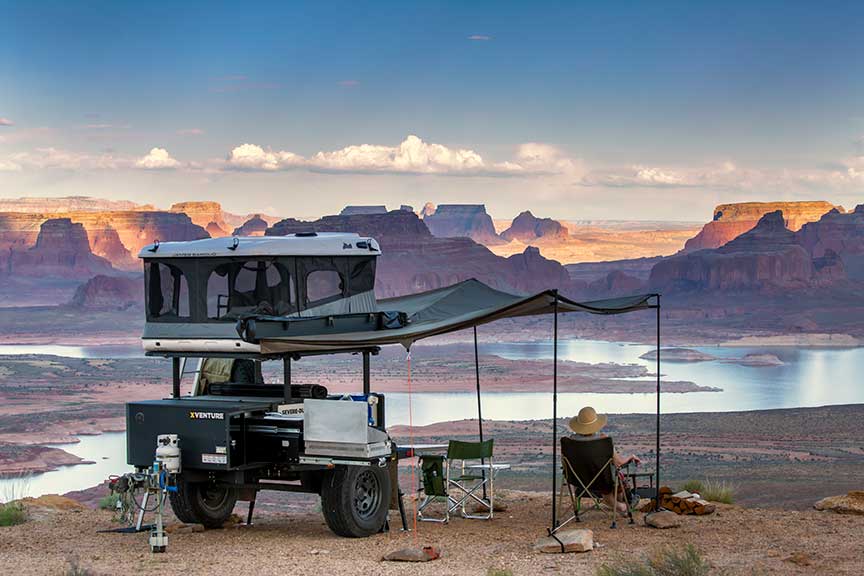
[{"x": 587, "y": 421}]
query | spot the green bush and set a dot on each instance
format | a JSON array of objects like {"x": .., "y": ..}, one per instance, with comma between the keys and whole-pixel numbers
[
  {"x": 693, "y": 486},
  {"x": 718, "y": 491},
  {"x": 499, "y": 572},
  {"x": 12, "y": 514},
  {"x": 109, "y": 502},
  {"x": 667, "y": 561},
  {"x": 712, "y": 490}
]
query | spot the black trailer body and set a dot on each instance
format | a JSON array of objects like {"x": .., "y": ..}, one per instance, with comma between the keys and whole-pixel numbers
[{"x": 214, "y": 433}]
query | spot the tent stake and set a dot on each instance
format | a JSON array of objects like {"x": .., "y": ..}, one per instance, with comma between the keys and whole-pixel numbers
[
  {"x": 555, "y": 412},
  {"x": 286, "y": 378},
  {"x": 657, "y": 446},
  {"x": 479, "y": 409}
]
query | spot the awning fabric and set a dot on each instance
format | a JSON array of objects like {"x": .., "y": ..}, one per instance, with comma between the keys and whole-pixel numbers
[{"x": 463, "y": 305}]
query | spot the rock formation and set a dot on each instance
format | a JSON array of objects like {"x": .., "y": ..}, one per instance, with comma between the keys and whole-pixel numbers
[
  {"x": 207, "y": 215},
  {"x": 117, "y": 236},
  {"x": 427, "y": 210},
  {"x": 109, "y": 293},
  {"x": 768, "y": 256},
  {"x": 355, "y": 210},
  {"x": 62, "y": 250},
  {"x": 732, "y": 220},
  {"x": 35, "y": 204},
  {"x": 463, "y": 220},
  {"x": 414, "y": 260},
  {"x": 255, "y": 226},
  {"x": 616, "y": 283},
  {"x": 527, "y": 228}
]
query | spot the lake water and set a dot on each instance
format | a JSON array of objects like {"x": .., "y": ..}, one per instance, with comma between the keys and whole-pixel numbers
[{"x": 808, "y": 377}]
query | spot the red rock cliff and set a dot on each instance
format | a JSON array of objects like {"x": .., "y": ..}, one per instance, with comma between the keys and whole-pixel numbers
[
  {"x": 768, "y": 256},
  {"x": 528, "y": 228},
  {"x": 732, "y": 220},
  {"x": 462, "y": 220},
  {"x": 62, "y": 250}
]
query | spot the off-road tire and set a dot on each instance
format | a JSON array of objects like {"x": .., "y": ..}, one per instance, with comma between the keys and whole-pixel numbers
[
  {"x": 355, "y": 500},
  {"x": 203, "y": 503}
]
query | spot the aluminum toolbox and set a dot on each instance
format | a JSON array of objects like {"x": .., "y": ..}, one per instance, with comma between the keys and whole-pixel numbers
[{"x": 341, "y": 428}]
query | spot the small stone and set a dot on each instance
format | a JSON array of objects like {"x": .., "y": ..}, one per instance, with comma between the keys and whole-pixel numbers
[
  {"x": 316, "y": 552},
  {"x": 800, "y": 558},
  {"x": 851, "y": 503},
  {"x": 662, "y": 519},
  {"x": 580, "y": 540},
  {"x": 424, "y": 554}
]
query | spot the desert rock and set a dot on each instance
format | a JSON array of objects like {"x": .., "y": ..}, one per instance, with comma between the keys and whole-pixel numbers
[
  {"x": 851, "y": 503},
  {"x": 579, "y": 540}
]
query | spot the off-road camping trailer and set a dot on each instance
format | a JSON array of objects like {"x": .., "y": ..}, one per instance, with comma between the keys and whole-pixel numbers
[{"x": 235, "y": 433}]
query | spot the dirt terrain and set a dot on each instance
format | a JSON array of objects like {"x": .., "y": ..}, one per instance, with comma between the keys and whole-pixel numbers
[{"x": 738, "y": 540}]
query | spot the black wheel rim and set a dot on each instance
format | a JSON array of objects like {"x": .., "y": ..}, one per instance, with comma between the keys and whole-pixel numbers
[
  {"x": 367, "y": 494},
  {"x": 213, "y": 498}
]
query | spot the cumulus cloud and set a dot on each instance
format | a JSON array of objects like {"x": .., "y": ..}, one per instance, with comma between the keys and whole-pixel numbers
[
  {"x": 9, "y": 166},
  {"x": 411, "y": 156},
  {"x": 539, "y": 157},
  {"x": 723, "y": 175},
  {"x": 6, "y": 122},
  {"x": 254, "y": 157},
  {"x": 480, "y": 37},
  {"x": 157, "y": 159}
]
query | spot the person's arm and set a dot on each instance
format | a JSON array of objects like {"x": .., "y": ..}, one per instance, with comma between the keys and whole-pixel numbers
[{"x": 621, "y": 461}]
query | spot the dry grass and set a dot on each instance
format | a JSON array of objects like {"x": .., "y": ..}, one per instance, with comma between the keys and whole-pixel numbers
[
  {"x": 666, "y": 561},
  {"x": 712, "y": 490}
]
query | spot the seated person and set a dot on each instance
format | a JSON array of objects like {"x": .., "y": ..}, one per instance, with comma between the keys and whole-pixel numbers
[{"x": 586, "y": 426}]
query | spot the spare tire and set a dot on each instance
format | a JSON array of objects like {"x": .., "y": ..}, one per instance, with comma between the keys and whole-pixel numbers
[
  {"x": 203, "y": 503},
  {"x": 355, "y": 500}
]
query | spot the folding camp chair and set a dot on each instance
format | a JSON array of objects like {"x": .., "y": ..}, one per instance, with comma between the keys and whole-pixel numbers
[
  {"x": 590, "y": 471},
  {"x": 457, "y": 478}
]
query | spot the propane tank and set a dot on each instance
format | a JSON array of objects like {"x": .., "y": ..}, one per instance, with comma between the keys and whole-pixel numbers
[{"x": 168, "y": 452}]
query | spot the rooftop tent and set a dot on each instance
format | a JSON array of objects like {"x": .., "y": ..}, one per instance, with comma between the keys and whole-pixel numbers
[{"x": 463, "y": 305}]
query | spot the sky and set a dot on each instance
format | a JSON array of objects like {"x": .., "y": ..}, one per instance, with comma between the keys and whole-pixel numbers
[{"x": 576, "y": 110}]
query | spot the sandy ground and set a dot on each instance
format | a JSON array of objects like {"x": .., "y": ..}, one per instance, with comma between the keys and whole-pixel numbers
[{"x": 738, "y": 540}]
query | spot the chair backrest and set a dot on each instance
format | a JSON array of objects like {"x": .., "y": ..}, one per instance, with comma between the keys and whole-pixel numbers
[
  {"x": 458, "y": 450},
  {"x": 432, "y": 472},
  {"x": 587, "y": 458}
]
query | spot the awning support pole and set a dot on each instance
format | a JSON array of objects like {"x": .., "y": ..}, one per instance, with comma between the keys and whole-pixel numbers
[
  {"x": 175, "y": 377},
  {"x": 479, "y": 409},
  {"x": 286, "y": 378},
  {"x": 366, "y": 377},
  {"x": 555, "y": 412},
  {"x": 657, "y": 439}
]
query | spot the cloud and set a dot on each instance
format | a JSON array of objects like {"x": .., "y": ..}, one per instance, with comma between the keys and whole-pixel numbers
[
  {"x": 45, "y": 158},
  {"x": 157, "y": 159},
  {"x": 348, "y": 83},
  {"x": 252, "y": 157},
  {"x": 479, "y": 37},
  {"x": 411, "y": 156},
  {"x": 6, "y": 122},
  {"x": 9, "y": 166},
  {"x": 190, "y": 132},
  {"x": 723, "y": 175},
  {"x": 538, "y": 157}
]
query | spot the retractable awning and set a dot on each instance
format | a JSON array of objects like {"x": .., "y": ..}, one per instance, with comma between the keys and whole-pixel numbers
[{"x": 457, "y": 307}]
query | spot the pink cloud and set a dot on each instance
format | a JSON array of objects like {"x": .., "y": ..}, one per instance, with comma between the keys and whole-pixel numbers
[
  {"x": 349, "y": 83},
  {"x": 191, "y": 132},
  {"x": 6, "y": 122}
]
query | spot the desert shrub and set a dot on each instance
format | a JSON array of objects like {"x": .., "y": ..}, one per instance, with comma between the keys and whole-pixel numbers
[
  {"x": 109, "y": 502},
  {"x": 74, "y": 568},
  {"x": 12, "y": 514},
  {"x": 666, "y": 561},
  {"x": 712, "y": 490},
  {"x": 499, "y": 572},
  {"x": 693, "y": 486},
  {"x": 718, "y": 491}
]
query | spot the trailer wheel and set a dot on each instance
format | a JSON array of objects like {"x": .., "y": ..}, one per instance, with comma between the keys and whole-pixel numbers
[
  {"x": 355, "y": 500},
  {"x": 203, "y": 503}
]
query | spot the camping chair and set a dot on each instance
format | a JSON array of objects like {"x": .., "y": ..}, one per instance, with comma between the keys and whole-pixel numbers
[
  {"x": 589, "y": 470},
  {"x": 457, "y": 478}
]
